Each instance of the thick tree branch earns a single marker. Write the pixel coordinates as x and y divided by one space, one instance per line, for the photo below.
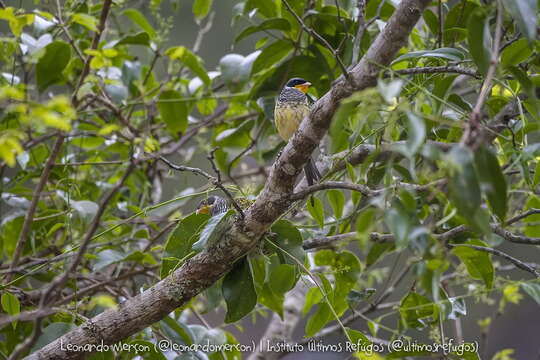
205 268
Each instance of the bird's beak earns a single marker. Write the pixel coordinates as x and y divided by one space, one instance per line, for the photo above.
303 87
203 210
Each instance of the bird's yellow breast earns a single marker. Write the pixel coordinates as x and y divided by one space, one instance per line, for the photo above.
288 117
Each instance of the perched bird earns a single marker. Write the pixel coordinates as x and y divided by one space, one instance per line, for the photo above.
291 107
213 205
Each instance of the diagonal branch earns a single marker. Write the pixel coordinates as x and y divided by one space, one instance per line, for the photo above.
205 268
29 218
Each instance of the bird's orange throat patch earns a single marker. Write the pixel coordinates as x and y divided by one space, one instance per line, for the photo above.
303 87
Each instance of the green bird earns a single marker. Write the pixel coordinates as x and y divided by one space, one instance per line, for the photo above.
291 107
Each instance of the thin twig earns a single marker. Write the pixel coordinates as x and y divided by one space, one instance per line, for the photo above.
323 41
95 42
363 189
187 168
248 148
202 31
218 183
518 263
470 135
60 280
361 21
215 181
27 225
522 216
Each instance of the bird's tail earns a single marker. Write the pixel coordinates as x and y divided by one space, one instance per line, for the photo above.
312 173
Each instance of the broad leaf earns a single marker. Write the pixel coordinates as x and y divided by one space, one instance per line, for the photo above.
180 241
479 39
174 111
316 210
478 263
492 180
239 292
201 8
192 61
138 18
525 13
50 66
271 55
270 24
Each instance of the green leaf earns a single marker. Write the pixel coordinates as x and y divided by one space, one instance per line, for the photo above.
414 309
282 278
417 133
140 38
180 241
319 319
492 180
337 202
450 54
316 210
340 122
478 263
266 8
16 22
479 39
201 8
357 337
11 305
192 61
536 178
533 290
85 20
271 55
365 220
239 292
399 222
50 66
173 113
525 13
214 229
290 240
313 296
516 53
465 188
52 332
138 18
270 24
88 142
432 21
107 257
377 250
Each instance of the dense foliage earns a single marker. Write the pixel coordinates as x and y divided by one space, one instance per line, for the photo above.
429 202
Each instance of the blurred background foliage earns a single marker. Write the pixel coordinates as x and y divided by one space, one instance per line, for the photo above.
195 81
